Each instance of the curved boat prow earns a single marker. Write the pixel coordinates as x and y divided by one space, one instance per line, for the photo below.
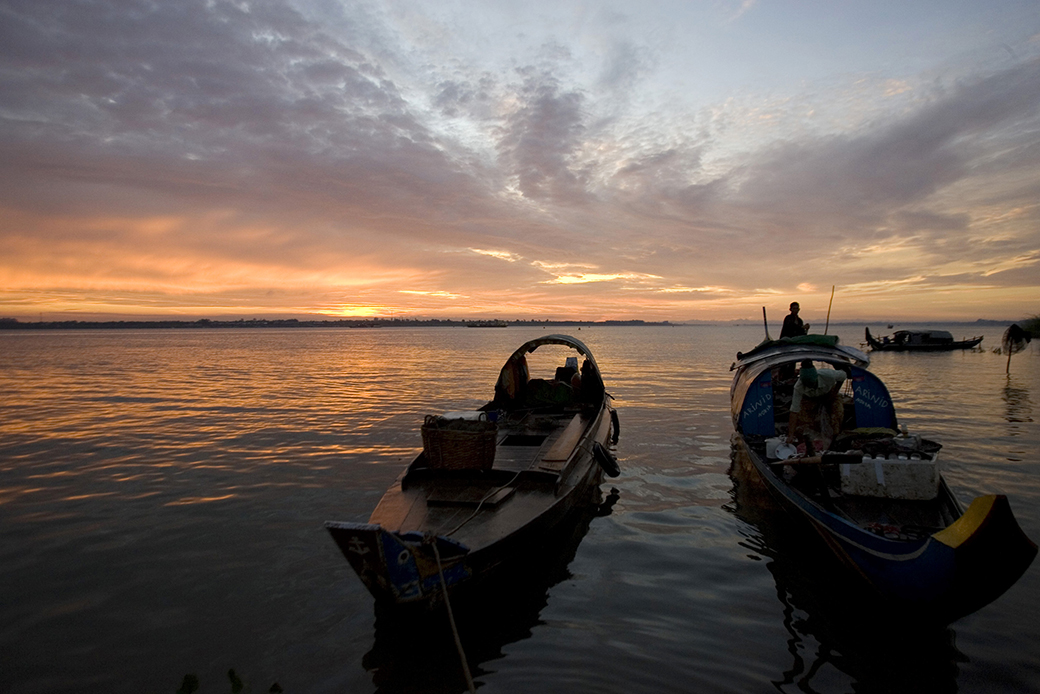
990 553
402 567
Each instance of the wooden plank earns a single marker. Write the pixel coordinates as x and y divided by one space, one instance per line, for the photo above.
399 509
515 458
469 496
564 446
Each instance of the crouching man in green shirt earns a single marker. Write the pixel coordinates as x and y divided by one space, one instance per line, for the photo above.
816 405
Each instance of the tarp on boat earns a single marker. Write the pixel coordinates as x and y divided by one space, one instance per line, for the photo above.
873 404
818 340
752 396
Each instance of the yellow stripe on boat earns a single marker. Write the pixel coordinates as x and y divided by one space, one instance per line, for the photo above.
965 526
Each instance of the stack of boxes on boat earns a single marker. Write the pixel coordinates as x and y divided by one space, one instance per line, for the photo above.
895 468
900 467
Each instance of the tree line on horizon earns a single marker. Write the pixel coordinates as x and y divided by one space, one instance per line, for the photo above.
1030 325
15 324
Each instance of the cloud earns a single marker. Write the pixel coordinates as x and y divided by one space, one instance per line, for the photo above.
208 101
356 155
438 294
589 277
625 63
501 255
540 140
718 291
744 8
897 164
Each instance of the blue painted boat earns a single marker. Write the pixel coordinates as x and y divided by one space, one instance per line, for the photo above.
876 496
490 485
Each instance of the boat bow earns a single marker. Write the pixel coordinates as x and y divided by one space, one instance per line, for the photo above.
402 567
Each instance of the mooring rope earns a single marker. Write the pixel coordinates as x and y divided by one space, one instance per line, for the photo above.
451 620
480 505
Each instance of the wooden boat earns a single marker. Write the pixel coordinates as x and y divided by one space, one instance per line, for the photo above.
919 341
410 646
877 498
488 484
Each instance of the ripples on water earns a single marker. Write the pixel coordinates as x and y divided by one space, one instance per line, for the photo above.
162 495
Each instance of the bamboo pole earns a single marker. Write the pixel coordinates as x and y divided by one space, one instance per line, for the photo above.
765 323
828 323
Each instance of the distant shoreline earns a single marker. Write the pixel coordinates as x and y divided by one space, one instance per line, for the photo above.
206 324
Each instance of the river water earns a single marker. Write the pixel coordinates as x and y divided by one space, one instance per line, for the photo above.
162 495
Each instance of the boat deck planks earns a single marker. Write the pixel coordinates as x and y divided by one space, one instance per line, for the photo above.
476 527
468 495
564 444
516 458
443 503
928 515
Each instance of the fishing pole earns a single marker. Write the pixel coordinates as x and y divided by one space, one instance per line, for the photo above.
828 323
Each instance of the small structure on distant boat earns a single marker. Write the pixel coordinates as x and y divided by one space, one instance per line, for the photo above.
919 341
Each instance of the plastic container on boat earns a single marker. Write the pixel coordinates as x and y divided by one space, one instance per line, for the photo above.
891 479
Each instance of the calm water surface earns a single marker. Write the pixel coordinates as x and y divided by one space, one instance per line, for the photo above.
162 497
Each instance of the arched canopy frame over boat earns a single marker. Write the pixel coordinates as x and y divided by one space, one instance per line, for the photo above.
753 405
516 389
554 339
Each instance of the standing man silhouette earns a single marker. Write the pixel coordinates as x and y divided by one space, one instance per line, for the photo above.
793 325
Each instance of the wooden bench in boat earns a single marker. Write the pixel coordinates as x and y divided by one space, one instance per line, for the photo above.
468 495
561 450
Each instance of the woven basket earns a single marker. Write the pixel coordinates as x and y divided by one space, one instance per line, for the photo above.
459 444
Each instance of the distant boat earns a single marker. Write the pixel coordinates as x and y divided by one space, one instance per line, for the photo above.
876 498
919 341
488 324
488 483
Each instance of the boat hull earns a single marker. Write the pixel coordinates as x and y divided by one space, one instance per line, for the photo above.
877 345
402 568
946 575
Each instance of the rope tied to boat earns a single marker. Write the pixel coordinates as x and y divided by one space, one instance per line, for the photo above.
480 505
430 539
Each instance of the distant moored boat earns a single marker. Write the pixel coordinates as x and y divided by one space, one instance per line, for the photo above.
919 341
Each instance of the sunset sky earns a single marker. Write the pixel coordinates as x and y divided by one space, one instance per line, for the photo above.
668 160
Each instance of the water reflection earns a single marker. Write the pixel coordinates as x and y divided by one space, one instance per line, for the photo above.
841 636
1017 405
417 652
